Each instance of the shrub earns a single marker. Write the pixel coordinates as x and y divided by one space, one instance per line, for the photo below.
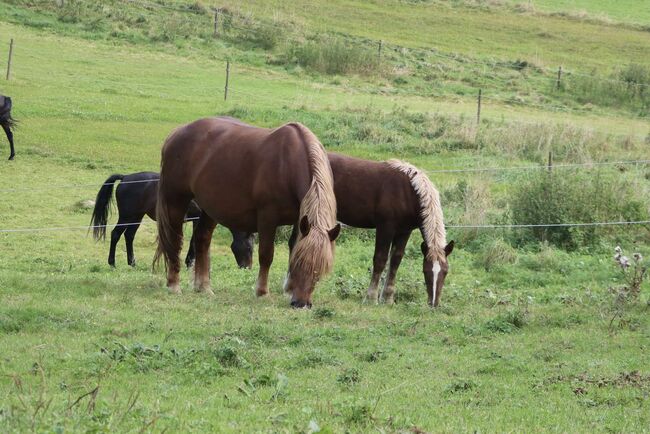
333 56
551 198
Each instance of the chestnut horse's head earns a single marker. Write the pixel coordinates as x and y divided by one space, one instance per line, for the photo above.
312 256
435 272
242 247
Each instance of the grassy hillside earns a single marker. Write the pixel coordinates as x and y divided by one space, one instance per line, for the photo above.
529 337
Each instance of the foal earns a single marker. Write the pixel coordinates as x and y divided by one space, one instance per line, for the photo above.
394 198
136 197
7 122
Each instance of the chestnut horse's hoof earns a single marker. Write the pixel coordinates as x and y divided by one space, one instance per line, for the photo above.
206 291
175 290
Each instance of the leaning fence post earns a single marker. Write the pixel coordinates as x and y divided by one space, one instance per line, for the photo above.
559 77
216 23
11 52
225 90
379 49
550 161
478 111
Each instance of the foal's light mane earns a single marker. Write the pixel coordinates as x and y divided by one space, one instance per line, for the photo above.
314 252
433 225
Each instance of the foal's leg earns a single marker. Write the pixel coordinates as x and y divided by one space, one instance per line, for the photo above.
292 242
10 137
202 237
396 255
116 233
383 239
129 235
267 238
191 253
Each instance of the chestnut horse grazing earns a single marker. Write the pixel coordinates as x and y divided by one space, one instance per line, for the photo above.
394 197
251 180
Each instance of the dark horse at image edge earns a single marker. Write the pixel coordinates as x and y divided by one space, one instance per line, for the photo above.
8 122
136 196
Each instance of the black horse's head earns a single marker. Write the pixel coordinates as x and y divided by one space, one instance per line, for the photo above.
242 247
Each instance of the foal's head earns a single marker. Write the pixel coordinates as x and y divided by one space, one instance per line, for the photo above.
435 273
311 257
242 247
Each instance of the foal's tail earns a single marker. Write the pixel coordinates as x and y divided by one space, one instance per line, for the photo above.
103 207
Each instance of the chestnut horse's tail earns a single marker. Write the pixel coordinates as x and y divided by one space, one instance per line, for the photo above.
433 225
319 206
166 233
103 207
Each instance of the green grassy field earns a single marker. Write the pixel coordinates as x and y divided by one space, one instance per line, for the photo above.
528 337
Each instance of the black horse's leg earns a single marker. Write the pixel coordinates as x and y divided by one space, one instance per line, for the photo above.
10 137
191 251
129 235
396 255
384 236
115 237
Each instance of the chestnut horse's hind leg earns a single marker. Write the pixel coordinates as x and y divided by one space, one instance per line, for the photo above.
383 239
202 237
267 239
396 255
176 209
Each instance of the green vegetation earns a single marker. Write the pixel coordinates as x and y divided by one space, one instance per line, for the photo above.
529 337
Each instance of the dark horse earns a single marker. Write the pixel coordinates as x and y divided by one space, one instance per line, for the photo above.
251 180
395 198
7 122
136 197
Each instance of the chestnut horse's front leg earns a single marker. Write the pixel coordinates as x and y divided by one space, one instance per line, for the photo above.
267 238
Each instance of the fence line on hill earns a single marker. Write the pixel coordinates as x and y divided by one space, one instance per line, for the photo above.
448 226
586 166
383 45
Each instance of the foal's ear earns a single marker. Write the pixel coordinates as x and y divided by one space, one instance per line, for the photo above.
423 247
334 232
304 226
449 248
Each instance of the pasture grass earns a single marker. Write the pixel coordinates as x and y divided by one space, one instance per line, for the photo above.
525 340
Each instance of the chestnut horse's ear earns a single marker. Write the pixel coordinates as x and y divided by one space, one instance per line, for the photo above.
449 248
423 247
334 232
304 226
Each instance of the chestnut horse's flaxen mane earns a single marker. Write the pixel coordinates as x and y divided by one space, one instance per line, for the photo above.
433 226
319 206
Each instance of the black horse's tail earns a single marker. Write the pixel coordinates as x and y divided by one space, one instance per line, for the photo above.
103 207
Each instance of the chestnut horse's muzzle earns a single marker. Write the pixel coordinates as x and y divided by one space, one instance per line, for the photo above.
297 304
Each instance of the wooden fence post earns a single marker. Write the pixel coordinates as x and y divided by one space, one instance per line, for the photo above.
216 23
478 111
11 52
550 161
559 77
225 91
379 49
